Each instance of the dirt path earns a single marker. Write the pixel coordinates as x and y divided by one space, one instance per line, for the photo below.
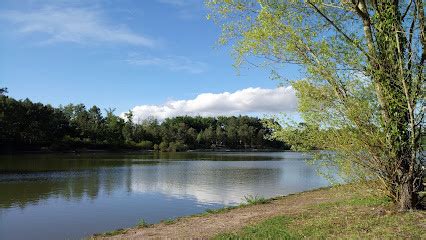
204 227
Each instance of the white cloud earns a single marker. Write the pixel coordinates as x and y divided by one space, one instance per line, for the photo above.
173 63
76 25
245 101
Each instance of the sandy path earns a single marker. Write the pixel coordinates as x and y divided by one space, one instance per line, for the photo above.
204 227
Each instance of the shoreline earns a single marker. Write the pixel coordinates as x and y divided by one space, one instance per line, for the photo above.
344 201
207 213
125 151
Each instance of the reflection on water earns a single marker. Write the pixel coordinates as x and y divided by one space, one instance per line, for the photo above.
63 197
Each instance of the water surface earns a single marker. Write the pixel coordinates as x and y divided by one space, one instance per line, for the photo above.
72 196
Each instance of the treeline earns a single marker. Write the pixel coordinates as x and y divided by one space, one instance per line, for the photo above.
25 125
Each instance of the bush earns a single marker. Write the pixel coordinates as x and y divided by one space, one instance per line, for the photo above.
145 145
172 147
142 224
177 147
164 146
180 146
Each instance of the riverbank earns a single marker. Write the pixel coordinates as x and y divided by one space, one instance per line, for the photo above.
337 212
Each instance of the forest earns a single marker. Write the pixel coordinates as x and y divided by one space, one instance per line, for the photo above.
29 126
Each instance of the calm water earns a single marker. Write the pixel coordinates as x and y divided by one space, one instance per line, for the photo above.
69 196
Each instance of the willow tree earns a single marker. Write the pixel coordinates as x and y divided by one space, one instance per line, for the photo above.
364 77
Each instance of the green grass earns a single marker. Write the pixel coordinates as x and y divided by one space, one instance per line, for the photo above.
221 210
254 200
360 215
355 218
142 224
273 228
111 233
249 200
169 221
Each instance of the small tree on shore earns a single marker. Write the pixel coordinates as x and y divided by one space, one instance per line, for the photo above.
364 63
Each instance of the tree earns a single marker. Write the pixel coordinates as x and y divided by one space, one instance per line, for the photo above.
129 127
114 128
95 123
26 125
364 68
3 91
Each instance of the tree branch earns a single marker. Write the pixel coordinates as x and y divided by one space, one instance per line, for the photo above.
338 28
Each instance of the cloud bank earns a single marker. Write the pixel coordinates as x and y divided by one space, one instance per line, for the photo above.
245 101
77 25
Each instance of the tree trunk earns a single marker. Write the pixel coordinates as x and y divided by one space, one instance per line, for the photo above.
407 198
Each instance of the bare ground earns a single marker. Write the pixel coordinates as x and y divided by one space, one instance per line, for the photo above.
209 225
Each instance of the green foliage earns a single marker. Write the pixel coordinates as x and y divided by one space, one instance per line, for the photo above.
221 210
3 91
111 233
163 147
145 145
274 228
169 221
362 93
26 125
254 200
46 124
142 224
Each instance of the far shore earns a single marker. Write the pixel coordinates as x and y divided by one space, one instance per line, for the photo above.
132 151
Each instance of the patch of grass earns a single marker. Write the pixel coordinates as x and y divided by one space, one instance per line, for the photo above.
169 221
354 218
254 200
273 228
111 233
368 201
142 224
221 210
249 200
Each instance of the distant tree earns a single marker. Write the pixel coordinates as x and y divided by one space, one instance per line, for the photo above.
163 147
114 128
145 145
220 135
129 127
27 124
209 136
3 91
24 124
95 124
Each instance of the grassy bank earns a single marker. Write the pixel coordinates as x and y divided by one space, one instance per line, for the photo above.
338 212
354 218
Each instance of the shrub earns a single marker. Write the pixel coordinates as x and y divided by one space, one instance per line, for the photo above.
253 200
164 146
145 145
142 223
156 147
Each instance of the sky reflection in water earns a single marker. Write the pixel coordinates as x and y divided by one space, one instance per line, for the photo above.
69 197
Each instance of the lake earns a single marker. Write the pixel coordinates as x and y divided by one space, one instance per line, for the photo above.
72 196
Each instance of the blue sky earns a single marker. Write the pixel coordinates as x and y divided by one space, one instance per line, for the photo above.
123 54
